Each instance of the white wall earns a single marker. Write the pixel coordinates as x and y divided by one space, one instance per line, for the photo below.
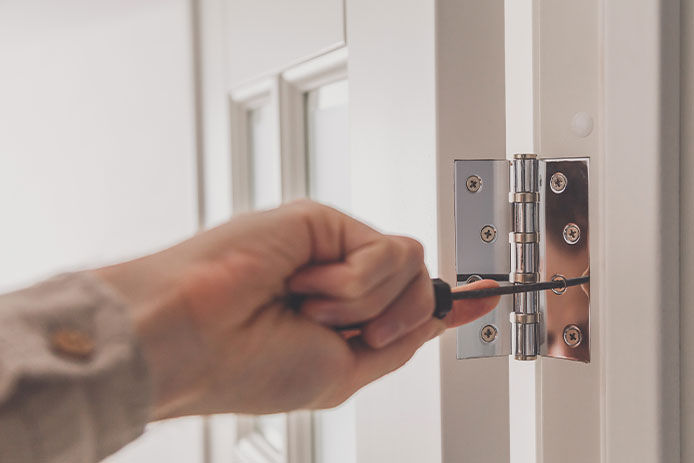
96 146
96 132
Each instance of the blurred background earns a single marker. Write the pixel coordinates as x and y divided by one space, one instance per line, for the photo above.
106 110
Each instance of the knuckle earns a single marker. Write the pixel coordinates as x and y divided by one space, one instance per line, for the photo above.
413 248
304 205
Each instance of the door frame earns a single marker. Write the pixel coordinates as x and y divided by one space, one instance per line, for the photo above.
618 63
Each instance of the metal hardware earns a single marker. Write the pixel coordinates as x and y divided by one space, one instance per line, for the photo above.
524 318
524 197
559 291
473 278
523 237
523 277
572 336
572 233
524 175
542 204
475 257
488 333
473 183
558 182
488 233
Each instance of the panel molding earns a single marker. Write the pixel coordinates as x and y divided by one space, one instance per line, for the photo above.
246 98
295 82
284 94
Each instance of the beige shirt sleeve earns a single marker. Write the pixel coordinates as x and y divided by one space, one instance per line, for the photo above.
73 383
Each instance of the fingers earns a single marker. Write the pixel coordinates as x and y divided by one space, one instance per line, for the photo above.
466 310
372 363
331 235
361 287
362 269
413 307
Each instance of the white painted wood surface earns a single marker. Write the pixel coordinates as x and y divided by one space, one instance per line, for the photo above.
615 63
267 36
567 64
470 125
393 155
641 187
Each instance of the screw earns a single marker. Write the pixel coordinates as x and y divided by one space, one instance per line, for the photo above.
488 233
561 290
473 183
572 233
558 182
473 278
572 335
488 333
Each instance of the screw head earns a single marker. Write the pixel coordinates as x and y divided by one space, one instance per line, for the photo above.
473 278
488 233
488 333
558 182
473 183
572 233
561 290
572 336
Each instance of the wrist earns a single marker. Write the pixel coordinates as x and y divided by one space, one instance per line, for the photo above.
161 326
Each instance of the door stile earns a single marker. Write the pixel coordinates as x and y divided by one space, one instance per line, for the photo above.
569 122
641 193
470 125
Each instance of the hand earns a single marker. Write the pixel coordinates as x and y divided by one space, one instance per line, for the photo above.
215 327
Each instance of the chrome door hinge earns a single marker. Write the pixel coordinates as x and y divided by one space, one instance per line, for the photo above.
542 207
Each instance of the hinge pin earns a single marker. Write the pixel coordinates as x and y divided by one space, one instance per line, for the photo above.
524 198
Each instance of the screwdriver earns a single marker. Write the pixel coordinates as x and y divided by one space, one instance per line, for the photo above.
445 296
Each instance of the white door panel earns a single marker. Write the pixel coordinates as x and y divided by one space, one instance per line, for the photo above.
432 81
393 171
471 125
266 36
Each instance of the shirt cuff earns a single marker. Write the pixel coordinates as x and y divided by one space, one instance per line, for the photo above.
74 385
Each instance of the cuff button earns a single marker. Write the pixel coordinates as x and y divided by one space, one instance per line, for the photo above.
72 343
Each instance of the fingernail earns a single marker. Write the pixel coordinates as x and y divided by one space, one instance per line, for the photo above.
387 332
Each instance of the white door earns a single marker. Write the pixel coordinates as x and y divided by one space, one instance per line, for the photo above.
427 82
